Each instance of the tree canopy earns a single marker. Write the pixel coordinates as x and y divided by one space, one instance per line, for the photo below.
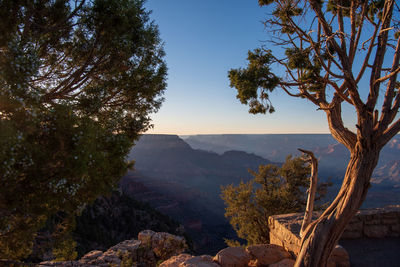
78 80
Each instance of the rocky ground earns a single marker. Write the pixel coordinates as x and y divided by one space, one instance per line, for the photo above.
153 249
252 256
147 251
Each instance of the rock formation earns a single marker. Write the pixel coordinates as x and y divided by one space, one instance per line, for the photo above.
252 256
150 248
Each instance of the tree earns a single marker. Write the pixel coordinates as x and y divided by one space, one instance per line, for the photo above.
78 80
333 52
274 190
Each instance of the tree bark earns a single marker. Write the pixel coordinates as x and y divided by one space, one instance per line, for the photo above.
311 191
323 234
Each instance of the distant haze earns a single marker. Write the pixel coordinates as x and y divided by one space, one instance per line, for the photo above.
181 176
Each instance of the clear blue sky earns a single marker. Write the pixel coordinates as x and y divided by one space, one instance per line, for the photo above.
203 40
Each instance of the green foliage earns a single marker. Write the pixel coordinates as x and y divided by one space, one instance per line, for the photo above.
257 75
126 260
55 238
52 161
374 8
77 82
232 243
303 62
287 11
332 6
265 2
65 249
254 82
113 219
273 191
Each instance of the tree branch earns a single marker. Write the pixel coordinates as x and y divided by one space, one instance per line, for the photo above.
336 126
390 133
344 59
380 55
354 43
341 28
366 59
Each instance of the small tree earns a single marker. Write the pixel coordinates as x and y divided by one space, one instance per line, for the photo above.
273 191
78 80
334 52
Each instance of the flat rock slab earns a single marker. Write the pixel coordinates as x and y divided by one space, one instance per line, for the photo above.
266 254
199 261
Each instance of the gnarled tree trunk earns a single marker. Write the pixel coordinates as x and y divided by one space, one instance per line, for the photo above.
323 234
344 58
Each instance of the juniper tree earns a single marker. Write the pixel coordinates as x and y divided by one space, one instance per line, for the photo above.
333 53
273 190
78 80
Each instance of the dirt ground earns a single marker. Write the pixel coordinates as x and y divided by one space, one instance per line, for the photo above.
377 252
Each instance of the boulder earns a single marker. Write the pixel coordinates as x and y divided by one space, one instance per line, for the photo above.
265 254
61 264
108 257
91 255
164 245
126 246
283 263
339 257
199 261
233 257
116 254
175 261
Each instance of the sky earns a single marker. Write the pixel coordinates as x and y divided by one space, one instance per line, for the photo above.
203 41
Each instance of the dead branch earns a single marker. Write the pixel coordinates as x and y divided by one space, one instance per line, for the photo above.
311 191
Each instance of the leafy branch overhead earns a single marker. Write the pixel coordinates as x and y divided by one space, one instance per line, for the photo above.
257 75
328 52
103 58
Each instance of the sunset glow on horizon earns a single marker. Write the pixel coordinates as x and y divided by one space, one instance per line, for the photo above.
203 41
